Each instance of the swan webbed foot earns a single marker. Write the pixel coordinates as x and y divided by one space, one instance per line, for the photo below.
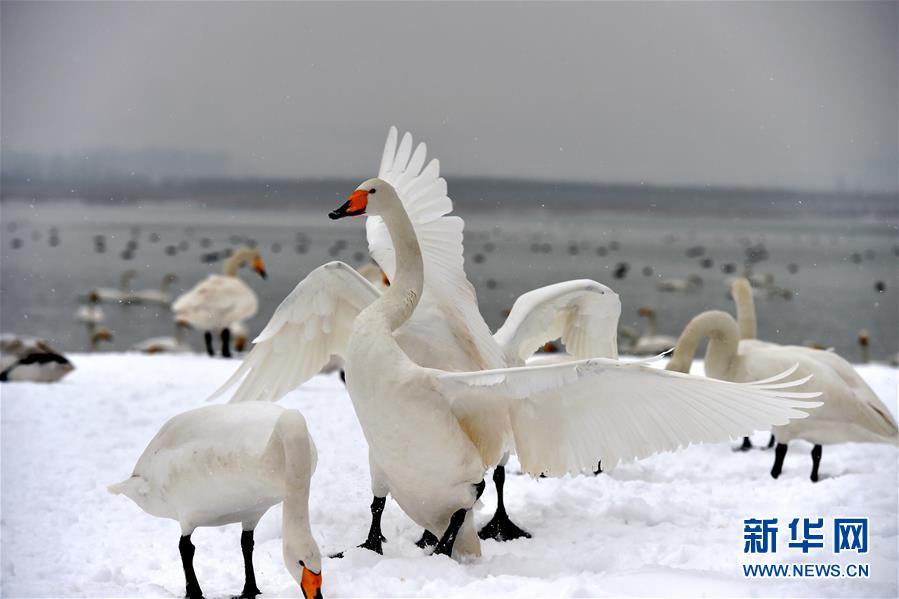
247 594
780 452
207 337
816 461
598 470
375 537
428 539
501 528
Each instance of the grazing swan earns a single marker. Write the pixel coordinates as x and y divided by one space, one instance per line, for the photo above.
119 296
165 345
160 296
219 300
220 465
651 343
432 433
31 359
447 330
850 411
691 283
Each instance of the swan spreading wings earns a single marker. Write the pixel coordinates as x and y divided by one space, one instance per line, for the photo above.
422 370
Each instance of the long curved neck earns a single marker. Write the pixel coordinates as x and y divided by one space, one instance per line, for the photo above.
399 301
745 311
234 262
651 324
723 335
296 533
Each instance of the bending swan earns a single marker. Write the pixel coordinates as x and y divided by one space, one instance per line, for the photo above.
850 410
219 465
431 433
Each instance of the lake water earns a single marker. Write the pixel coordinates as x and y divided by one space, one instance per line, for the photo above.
841 270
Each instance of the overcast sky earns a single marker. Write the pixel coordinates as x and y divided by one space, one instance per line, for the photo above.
798 94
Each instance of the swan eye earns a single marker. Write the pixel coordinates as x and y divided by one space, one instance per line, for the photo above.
372 190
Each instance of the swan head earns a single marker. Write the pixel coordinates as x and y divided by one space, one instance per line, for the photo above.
369 198
304 563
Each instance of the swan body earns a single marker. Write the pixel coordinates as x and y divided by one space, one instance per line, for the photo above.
689 283
225 464
433 432
122 295
164 345
90 314
160 296
650 343
31 359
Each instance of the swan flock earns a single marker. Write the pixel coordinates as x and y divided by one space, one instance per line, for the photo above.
439 398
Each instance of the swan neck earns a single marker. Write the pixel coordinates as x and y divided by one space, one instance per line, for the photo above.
233 263
746 315
723 335
400 300
651 328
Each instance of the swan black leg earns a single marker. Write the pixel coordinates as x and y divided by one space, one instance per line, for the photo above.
770 442
780 452
500 527
428 539
598 470
207 336
746 446
375 538
446 542
246 547
816 461
186 548
226 343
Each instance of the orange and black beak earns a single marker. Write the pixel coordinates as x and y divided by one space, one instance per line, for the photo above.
353 206
311 584
259 267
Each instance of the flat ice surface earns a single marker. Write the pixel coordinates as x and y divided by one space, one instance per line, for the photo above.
668 525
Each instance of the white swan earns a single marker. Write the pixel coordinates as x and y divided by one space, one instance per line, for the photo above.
688 284
219 465
447 330
118 296
31 359
165 345
432 433
850 411
219 300
650 343
160 296
90 313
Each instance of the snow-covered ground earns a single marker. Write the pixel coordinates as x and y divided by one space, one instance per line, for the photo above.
668 525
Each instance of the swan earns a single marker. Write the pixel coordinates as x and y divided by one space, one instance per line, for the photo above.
230 463
90 313
691 283
165 345
95 335
219 300
850 410
651 343
447 330
432 433
31 359
160 296
120 295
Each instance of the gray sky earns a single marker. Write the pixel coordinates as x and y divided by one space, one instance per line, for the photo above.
796 94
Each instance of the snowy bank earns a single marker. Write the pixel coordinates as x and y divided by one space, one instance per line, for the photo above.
668 525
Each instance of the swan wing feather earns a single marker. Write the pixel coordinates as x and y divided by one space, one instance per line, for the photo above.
313 323
423 193
567 417
583 313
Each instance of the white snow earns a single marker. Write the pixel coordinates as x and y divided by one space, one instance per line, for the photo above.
668 525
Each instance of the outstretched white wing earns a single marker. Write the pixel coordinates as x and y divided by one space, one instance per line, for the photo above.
311 324
583 313
448 309
567 417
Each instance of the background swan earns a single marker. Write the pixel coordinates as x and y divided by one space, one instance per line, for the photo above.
112 295
850 410
223 464
219 300
432 433
650 343
447 329
165 345
160 296
31 359
689 283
